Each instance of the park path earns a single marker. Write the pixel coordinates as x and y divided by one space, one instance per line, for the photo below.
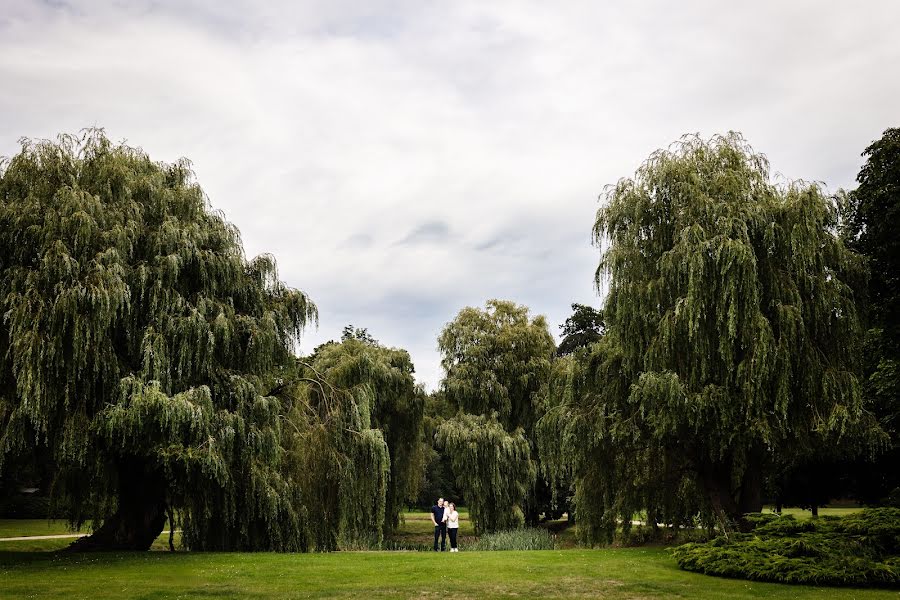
61 536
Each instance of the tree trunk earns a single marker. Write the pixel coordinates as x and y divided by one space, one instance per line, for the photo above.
751 486
729 510
717 485
140 517
815 511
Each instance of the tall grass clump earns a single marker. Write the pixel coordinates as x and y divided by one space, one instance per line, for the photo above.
530 538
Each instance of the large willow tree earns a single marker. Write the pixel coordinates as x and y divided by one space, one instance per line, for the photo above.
732 340
379 390
143 350
497 363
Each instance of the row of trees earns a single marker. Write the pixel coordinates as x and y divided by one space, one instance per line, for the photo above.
749 340
747 349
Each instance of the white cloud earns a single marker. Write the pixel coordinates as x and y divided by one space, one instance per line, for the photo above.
333 132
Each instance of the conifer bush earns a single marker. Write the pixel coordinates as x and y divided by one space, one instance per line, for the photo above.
862 549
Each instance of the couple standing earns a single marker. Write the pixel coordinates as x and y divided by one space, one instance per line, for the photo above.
445 519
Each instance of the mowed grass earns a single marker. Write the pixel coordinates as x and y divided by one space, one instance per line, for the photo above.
30 569
613 573
23 527
802 514
40 527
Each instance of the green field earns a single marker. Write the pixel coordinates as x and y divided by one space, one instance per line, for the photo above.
29 570
612 573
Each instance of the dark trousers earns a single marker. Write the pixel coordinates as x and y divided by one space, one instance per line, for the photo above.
440 531
453 531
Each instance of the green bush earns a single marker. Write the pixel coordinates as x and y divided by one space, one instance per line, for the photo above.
857 550
516 539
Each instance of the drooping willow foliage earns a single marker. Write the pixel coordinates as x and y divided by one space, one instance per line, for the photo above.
374 460
143 349
732 341
495 469
497 363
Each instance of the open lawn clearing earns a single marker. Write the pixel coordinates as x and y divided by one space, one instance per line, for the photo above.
802 514
23 527
611 573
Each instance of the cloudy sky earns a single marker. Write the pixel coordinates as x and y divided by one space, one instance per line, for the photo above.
405 159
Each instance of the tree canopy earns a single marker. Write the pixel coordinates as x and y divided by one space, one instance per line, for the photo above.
732 340
497 363
378 384
580 330
871 229
142 348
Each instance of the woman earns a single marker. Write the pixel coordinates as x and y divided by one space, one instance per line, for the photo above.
453 526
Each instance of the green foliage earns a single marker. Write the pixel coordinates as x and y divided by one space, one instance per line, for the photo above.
142 348
497 363
582 329
862 549
873 215
497 360
373 413
732 341
528 538
493 467
439 480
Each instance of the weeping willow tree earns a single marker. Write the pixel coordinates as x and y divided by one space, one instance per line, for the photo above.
497 362
732 341
143 350
495 469
379 387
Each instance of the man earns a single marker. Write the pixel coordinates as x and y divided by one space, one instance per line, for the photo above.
439 519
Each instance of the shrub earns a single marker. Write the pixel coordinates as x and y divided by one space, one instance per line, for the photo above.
516 539
858 550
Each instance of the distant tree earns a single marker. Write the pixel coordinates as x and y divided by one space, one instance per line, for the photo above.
582 329
439 480
732 340
495 469
357 333
497 363
142 351
382 389
872 226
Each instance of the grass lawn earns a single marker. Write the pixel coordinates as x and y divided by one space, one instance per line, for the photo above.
23 527
611 573
802 514
29 569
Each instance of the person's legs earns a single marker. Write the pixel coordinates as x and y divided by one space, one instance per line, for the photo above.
443 536
453 533
437 533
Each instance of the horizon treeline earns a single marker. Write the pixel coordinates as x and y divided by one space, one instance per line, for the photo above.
747 352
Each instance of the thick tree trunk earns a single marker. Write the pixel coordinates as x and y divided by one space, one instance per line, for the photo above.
751 487
717 485
140 517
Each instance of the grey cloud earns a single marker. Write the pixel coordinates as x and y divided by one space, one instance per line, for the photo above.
358 240
478 135
431 232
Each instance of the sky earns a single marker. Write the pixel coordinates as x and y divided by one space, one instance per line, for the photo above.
402 160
